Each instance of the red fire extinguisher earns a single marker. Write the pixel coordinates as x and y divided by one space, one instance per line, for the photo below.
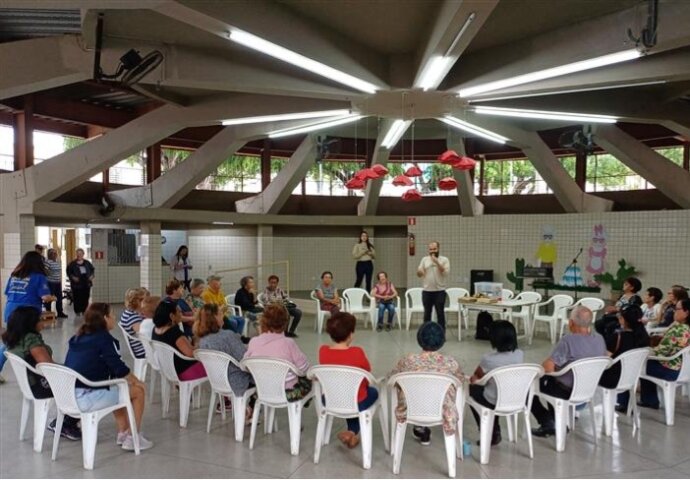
410 244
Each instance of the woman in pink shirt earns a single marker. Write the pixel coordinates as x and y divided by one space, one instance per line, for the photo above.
272 342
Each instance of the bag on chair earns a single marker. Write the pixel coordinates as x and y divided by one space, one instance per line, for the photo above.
484 321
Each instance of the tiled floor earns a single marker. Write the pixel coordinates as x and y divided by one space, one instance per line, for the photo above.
659 451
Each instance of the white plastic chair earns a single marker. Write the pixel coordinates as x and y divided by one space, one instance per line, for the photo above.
354 304
526 312
62 381
320 314
153 363
631 363
515 388
269 375
559 302
454 306
507 294
424 396
668 387
413 304
586 375
217 365
166 360
41 405
593 303
140 364
237 311
340 386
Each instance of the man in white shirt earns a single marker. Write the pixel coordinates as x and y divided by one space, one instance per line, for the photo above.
434 270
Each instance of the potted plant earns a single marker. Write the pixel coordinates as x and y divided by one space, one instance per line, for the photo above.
616 282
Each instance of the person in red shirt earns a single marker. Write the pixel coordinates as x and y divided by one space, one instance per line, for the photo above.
341 328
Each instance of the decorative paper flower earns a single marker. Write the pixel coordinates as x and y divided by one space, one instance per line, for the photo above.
465 163
449 157
355 184
413 171
367 174
447 183
380 170
412 195
402 181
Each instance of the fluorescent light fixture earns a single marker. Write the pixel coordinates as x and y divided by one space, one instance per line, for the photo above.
223 223
286 132
597 62
462 31
282 53
473 129
394 133
572 90
545 115
434 71
286 116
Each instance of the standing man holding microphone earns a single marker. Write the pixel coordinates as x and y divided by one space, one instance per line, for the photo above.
434 270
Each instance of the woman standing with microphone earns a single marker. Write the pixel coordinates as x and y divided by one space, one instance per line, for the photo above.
181 267
364 253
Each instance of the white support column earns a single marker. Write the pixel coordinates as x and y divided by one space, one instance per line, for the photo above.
264 255
272 199
151 269
101 292
469 205
669 178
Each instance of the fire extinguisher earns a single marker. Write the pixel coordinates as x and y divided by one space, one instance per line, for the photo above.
410 244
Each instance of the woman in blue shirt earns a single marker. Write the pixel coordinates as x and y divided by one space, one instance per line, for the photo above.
28 285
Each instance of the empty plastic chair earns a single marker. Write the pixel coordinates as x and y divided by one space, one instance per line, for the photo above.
354 304
559 302
413 304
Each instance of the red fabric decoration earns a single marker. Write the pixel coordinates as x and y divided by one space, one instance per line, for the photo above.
449 157
465 163
380 170
402 181
361 175
413 171
447 183
355 184
367 174
412 195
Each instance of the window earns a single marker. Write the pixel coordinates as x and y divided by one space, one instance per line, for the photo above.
330 177
605 173
239 173
675 154
172 157
513 177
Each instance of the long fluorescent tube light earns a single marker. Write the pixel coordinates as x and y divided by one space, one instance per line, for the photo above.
285 116
434 71
282 53
597 62
223 223
473 129
286 132
545 115
394 133
462 31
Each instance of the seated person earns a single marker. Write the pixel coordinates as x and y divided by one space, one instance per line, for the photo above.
93 353
431 336
676 338
578 344
327 293
174 291
23 338
209 335
213 294
385 294
341 328
247 299
167 320
609 322
503 338
674 295
631 335
148 309
273 293
196 288
651 308
272 342
131 318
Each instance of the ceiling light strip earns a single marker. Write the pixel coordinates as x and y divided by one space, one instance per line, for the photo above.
462 31
473 129
285 116
282 53
546 115
597 62
434 71
397 129
314 126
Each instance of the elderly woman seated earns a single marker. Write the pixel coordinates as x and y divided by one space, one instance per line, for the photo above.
431 337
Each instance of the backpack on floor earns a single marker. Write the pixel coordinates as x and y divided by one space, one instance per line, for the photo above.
484 321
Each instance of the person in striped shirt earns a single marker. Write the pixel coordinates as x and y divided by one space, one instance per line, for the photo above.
131 319
54 269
